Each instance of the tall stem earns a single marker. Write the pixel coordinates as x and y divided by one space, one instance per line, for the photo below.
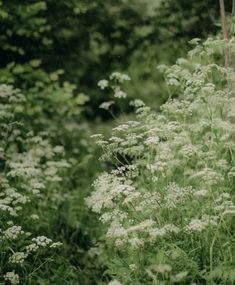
227 50
233 9
223 20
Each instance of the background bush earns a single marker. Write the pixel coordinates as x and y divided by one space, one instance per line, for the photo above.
89 40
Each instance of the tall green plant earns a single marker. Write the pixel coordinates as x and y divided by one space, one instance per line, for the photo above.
168 204
31 170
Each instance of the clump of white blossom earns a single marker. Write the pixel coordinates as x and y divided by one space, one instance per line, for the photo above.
168 204
115 81
12 277
30 166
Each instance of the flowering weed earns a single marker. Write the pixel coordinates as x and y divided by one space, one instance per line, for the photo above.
168 204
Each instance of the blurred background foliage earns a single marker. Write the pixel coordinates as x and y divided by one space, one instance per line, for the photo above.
66 46
56 51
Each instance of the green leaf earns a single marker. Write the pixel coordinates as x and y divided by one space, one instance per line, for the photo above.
35 62
81 99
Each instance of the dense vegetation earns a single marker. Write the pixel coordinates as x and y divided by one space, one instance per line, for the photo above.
168 203
113 170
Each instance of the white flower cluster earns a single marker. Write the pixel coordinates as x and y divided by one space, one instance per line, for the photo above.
13 232
41 242
12 277
118 93
28 172
103 84
106 105
120 77
114 82
18 257
198 225
174 172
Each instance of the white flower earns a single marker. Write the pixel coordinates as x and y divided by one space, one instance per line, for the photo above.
173 82
137 103
12 277
188 151
34 217
132 267
120 77
122 127
198 225
42 241
116 230
97 136
160 232
162 67
13 232
152 141
58 149
106 105
119 94
32 247
135 242
18 257
103 84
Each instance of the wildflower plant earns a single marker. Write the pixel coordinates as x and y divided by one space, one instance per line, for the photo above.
168 203
30 169
115 85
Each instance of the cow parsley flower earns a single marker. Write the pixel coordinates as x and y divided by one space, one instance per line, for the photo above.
179 184
119 93
12 277
132 267
137 103
13 232
42 241
103 84
120 77
198 225
106 105
18 257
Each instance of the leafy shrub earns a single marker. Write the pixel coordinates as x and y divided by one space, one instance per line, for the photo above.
168 204
89 39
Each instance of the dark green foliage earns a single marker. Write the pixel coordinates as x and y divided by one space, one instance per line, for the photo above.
89 39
